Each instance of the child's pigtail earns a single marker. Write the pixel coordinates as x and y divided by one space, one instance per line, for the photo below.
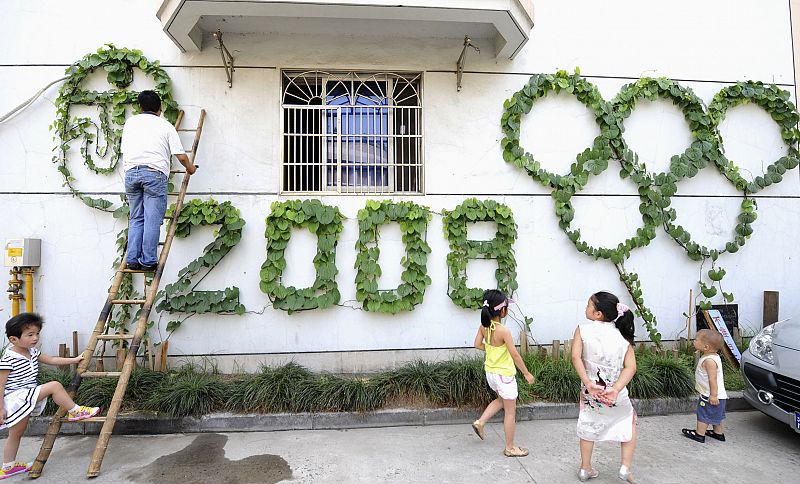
486 314
624 324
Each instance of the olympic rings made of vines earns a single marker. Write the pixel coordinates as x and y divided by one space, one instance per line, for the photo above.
655 190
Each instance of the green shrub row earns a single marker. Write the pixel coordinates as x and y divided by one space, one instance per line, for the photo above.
292 388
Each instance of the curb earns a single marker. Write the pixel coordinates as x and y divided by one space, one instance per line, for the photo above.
138 423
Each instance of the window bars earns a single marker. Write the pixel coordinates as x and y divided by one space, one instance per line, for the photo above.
351 132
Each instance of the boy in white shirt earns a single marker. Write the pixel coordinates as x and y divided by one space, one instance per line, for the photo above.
148 143
710 384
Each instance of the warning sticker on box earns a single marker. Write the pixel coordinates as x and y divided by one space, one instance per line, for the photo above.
15 251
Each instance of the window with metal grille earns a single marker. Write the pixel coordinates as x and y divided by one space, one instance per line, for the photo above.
351 132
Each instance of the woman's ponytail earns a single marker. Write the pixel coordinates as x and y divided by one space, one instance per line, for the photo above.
492 299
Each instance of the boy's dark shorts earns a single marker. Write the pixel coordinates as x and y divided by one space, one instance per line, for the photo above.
710 414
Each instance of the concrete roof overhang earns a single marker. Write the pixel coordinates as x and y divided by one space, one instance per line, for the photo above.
507 23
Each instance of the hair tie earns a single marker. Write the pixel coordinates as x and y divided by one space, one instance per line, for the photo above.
621 308
485 303
503 304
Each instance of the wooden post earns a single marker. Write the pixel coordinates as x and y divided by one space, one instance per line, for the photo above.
74 349
120 358
99 365
164 350
523 342
771 300
150 354
63 352
567 348
556 349
689 317
542 351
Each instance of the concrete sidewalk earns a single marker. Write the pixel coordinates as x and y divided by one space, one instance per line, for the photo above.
150 423
759 449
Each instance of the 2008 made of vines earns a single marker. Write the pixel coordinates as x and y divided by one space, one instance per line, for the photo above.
326 222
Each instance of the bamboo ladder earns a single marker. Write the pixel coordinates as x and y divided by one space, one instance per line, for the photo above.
100 333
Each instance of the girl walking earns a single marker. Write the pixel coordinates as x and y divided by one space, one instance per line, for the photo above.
501 356
602 353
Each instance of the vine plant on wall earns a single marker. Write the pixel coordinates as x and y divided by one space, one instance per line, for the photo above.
113 107
326 222
413 220
655 189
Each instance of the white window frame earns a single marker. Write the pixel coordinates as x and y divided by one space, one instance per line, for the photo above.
327 79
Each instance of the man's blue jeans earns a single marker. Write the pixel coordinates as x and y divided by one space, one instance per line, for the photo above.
146 189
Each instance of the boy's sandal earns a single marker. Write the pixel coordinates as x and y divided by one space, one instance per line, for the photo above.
477 426
692 434
516 452
714 435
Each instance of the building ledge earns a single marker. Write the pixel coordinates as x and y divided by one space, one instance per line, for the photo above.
507 23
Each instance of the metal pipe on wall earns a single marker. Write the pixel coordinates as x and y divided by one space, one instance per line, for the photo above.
28 271
14 286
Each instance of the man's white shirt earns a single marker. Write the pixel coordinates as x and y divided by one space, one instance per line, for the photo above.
151 141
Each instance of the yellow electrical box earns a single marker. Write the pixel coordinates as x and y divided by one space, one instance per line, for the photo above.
23 253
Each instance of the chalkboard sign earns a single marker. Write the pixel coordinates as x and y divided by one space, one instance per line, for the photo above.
729 312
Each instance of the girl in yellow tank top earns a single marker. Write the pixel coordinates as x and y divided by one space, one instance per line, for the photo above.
501 356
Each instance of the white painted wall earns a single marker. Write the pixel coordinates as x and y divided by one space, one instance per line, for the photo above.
704 44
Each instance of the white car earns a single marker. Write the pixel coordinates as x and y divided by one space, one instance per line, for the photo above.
771 369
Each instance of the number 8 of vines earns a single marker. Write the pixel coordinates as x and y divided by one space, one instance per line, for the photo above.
655 191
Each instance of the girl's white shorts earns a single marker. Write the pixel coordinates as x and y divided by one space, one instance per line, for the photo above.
505 386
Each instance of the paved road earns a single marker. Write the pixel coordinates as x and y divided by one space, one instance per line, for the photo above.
758 450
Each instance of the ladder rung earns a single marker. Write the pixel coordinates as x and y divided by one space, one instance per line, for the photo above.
174 194
177 171
186 129
128 301
161 243
101 374
114 336
136 271
90 419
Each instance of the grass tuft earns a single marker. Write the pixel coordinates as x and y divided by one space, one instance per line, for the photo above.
272 390
187 392
419 379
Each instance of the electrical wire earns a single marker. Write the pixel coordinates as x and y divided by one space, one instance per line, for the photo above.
26 104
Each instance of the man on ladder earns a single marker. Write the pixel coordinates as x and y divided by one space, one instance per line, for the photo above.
147 145
148 141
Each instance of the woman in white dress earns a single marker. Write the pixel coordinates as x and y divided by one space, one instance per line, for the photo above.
602 353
